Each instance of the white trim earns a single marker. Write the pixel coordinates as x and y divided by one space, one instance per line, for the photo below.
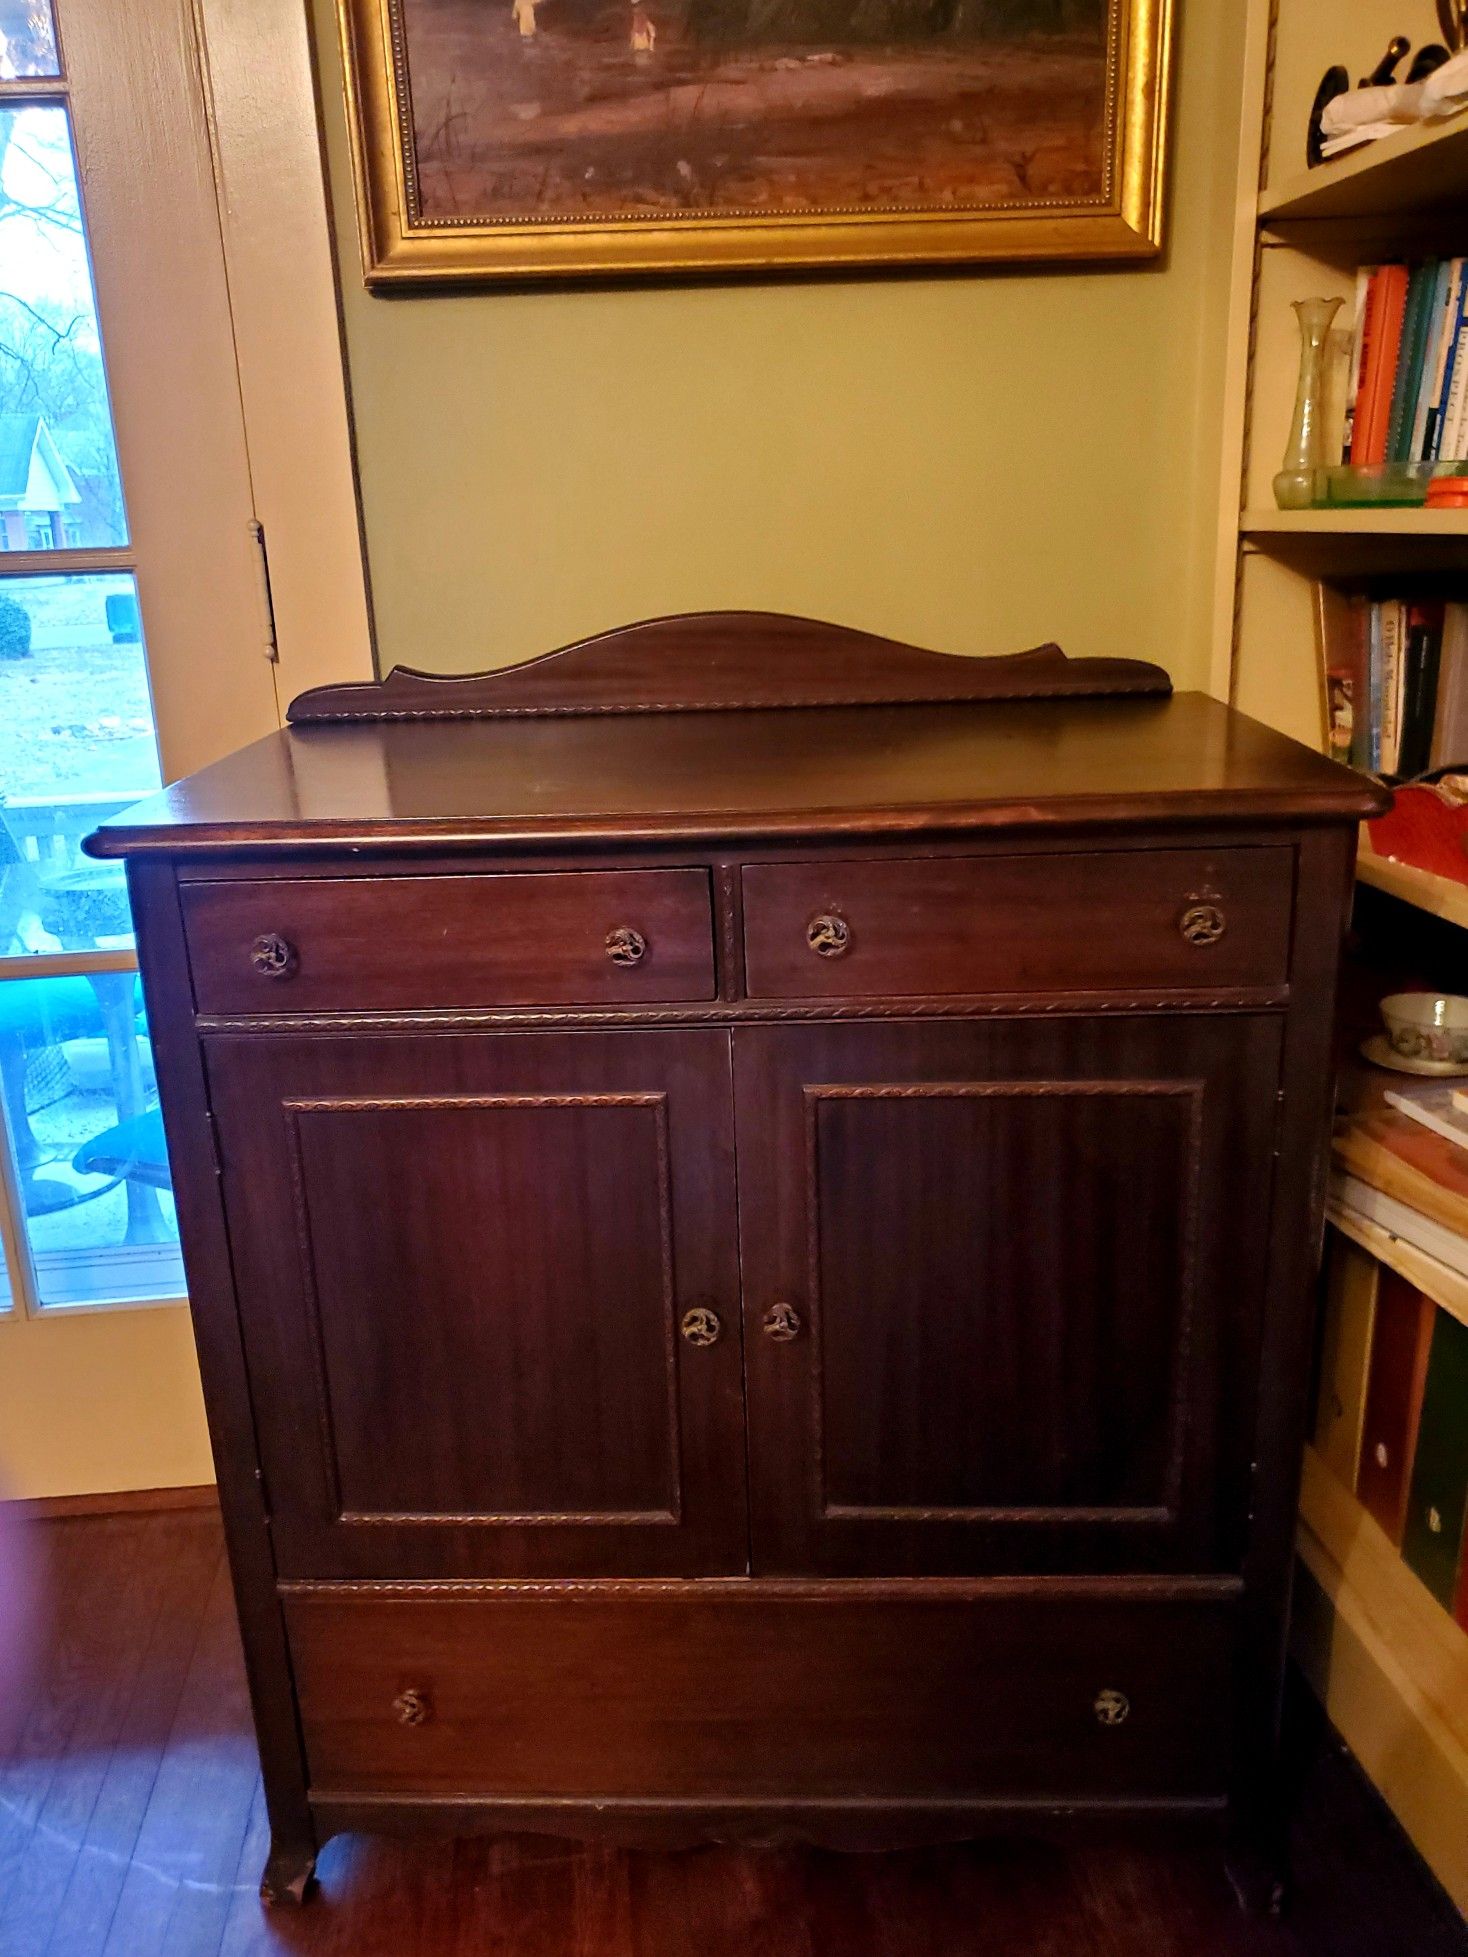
274 220
163 304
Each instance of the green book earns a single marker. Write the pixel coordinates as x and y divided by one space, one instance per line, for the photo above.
1438 1501
1416 325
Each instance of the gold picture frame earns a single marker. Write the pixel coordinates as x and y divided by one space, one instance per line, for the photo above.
405 242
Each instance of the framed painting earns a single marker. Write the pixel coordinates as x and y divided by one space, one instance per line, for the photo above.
553 139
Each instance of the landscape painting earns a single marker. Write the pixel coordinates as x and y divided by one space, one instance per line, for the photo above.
525 138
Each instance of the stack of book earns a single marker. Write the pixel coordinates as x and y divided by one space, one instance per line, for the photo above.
1407 397
1396 682
1392 1409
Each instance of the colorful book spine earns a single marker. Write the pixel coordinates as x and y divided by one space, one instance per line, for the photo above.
1438 1499
1359 655
1358 344
1345 1354
1375 691
1429 379
1392 615
1452 330
1421 282
1379 364
1399 1348
1450 709
1451 446
1419 691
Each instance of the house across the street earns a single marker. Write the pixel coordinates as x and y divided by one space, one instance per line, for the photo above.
37 489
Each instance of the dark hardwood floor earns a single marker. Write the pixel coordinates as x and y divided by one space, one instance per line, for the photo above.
131 1825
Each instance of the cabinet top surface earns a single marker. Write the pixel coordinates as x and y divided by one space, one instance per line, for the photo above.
433 763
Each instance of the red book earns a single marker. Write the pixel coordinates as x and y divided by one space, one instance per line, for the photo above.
1399 1347
1386 311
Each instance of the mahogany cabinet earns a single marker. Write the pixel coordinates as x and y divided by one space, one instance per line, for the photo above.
750 1196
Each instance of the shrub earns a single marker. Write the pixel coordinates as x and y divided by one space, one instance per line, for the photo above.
15 630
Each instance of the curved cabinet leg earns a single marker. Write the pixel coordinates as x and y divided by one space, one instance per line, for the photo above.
290 1873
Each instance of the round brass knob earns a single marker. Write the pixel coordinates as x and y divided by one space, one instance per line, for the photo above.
626 946
1202 924
782 1323
413 1707
828 935
701 1326
273 956
1111 1707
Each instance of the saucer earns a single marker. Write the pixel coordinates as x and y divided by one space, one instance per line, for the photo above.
1381 1053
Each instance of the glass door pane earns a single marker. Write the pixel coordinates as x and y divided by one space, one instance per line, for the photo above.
59 484
88 1207
77 743
27 39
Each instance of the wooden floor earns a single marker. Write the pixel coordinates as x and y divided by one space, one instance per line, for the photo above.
131 1825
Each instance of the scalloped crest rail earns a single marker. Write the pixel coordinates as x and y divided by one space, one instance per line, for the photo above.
723 661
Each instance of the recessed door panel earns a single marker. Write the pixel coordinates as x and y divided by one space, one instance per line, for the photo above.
1003 1284
463 1283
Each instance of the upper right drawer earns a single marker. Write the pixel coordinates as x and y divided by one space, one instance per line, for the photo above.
902 926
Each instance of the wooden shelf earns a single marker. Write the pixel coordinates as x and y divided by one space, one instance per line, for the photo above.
1439 1281
1391 1668
1416 523
1429 892
1424 168
1336 543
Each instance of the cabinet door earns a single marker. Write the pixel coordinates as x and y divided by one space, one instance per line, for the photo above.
463 1265
1003 1290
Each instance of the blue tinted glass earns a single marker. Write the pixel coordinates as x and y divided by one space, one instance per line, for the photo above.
59 484
76 1071
27 39
76 744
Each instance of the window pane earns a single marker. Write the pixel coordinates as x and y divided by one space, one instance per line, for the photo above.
58 462
76 743
27 39
77 1076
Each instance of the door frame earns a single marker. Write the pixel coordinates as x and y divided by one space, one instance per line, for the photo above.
217 187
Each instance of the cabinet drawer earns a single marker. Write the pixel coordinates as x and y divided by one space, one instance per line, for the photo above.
332 944
730 1691
1165 917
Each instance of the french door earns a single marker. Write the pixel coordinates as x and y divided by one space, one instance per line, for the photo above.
136 643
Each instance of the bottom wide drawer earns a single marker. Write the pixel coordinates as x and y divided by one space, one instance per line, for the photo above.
729 1691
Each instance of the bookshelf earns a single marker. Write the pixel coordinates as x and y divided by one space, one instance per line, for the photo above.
1439 895
1421 169
1301 233
1388 1662
1368 1634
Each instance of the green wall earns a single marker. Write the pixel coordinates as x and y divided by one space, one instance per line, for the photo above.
976 463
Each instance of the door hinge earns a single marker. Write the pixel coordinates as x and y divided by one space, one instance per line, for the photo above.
267 603
264 1488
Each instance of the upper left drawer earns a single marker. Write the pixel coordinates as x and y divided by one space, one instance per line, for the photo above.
409 943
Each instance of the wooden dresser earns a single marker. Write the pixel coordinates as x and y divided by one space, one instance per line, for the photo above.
750 1197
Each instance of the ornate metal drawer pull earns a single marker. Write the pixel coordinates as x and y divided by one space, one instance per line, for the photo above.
626 946
701 1326
1202 924
782 1323
413 1708
1111 1707
828 935
273 956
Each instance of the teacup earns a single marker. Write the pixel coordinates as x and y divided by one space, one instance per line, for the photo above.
1428 1026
